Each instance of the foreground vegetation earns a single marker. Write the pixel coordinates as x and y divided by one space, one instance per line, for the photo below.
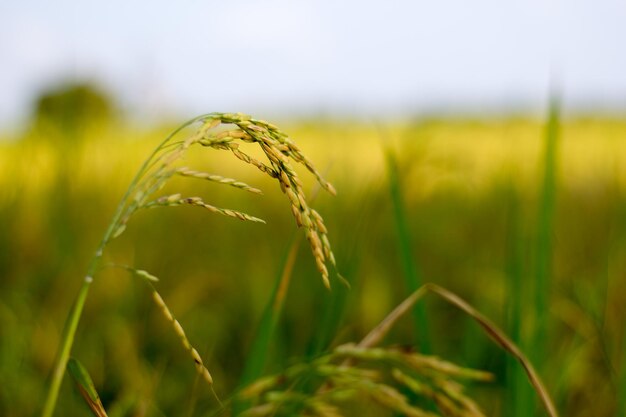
533 238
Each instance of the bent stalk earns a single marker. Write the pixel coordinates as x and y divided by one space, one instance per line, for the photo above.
280 151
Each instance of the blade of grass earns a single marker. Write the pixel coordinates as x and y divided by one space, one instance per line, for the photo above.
86 387
257 357
518 392
544 235
540 286
411 274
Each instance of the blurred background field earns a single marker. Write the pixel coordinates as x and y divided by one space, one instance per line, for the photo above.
471 196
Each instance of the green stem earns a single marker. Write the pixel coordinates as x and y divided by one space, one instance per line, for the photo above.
545 240
73 319
412 277
66 345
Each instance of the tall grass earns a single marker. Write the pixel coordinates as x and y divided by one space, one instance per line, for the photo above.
412 279
545 231
530 304
518 401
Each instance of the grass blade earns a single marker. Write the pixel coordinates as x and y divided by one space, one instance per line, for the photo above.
518 393
545 228
538 296
411 273
257 358
86 387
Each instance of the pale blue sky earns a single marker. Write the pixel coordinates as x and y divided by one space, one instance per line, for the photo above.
296 57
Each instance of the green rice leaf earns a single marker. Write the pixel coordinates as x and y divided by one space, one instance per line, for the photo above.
86 387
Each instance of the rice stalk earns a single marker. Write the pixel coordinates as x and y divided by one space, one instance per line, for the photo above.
353 371
153 175
376 374
258 354
177 200
188 172
380 331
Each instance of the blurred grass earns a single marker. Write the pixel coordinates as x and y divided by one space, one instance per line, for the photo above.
518 396
258 355
470 197
542 288
532 304
545 225
412 279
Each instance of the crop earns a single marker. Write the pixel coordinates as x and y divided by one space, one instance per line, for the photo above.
402 381
160 166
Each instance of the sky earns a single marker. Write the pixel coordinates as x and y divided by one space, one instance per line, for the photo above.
310 57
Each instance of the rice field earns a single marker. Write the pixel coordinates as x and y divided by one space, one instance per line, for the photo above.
525 219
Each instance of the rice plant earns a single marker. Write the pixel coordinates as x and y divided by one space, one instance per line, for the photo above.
355 377
335 380
163 164
350 374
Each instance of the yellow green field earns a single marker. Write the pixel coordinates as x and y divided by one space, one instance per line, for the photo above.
471 195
